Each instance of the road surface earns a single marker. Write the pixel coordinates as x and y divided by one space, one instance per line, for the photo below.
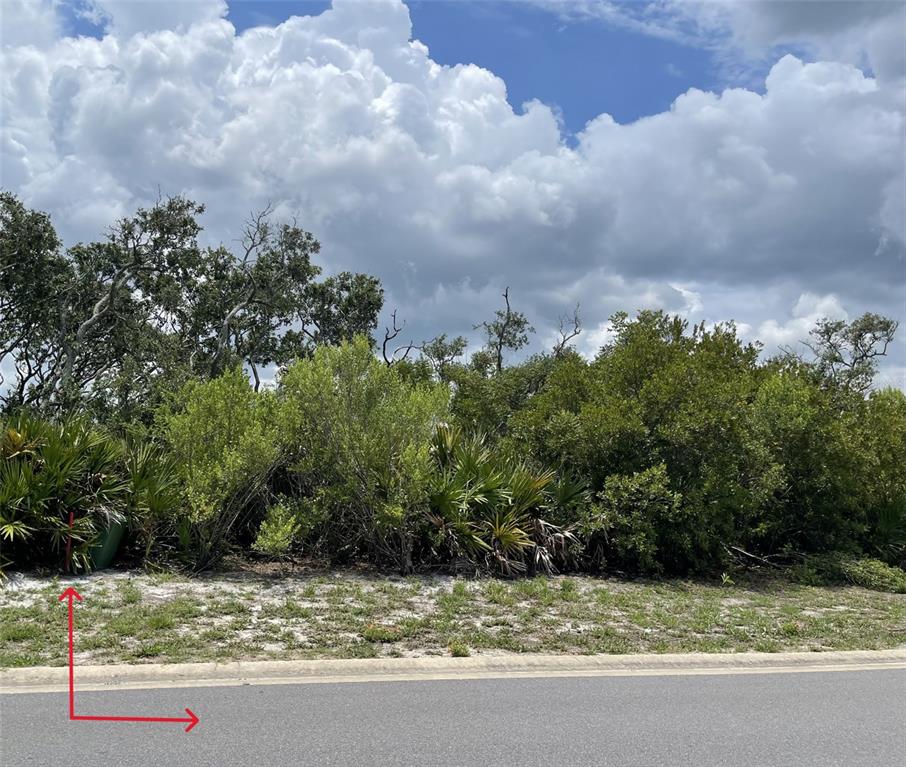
817 718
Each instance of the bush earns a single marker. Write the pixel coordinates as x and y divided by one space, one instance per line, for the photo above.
357 438
814 454
658 396
484 403
223 439
51 472
279 531
154 495
636 522
874 574
673 447
459 649
574 422
490 509
883 479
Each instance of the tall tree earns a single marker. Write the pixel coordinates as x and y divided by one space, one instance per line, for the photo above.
33 275
110 324
846 354
508 330
442 353
266 306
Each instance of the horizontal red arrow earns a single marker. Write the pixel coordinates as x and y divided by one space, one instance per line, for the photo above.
191 720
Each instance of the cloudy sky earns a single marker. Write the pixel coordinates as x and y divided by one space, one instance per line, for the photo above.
720 160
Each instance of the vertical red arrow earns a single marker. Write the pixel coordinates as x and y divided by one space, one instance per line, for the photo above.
71 594
191 720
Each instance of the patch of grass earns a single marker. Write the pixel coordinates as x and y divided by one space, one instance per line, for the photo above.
160 622
218 634
356 616
20 632
378 633
182 608
163 577
13 659
357 650
459 649
498 593
128 621
129 593
537 590
230 606
454 600
287 610
150 650
607 640
569 592
97 641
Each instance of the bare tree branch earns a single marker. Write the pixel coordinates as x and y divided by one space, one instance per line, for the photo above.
565 334
389 335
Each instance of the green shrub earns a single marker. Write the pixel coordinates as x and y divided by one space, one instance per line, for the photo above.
669 451
814 455
49 472
817 570
636 522
660 394
883 477
279 531
874 574
838 568
358 438
155 499
459 649
485 403
491 510
887 531
574 422
223 439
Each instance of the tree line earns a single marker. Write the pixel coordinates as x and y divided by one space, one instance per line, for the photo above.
133 398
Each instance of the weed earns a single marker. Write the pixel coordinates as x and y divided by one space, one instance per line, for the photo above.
379 633
459 649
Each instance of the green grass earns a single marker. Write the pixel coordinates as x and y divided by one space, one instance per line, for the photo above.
376 633
168 618
458 649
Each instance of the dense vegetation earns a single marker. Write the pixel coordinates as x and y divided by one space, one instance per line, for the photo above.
133 396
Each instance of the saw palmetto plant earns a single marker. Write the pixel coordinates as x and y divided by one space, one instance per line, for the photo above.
50 473
491 510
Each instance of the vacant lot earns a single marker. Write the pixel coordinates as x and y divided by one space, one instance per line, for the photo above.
135 618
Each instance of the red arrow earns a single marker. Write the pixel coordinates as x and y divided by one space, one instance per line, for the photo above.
191 720
69 594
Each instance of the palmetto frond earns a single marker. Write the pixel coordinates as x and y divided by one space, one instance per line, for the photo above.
51 471
487 507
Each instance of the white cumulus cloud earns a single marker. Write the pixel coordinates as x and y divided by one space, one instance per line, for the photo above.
729 204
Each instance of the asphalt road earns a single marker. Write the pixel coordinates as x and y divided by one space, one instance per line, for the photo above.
818 718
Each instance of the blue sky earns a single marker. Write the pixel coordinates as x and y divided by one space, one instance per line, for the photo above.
582 69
